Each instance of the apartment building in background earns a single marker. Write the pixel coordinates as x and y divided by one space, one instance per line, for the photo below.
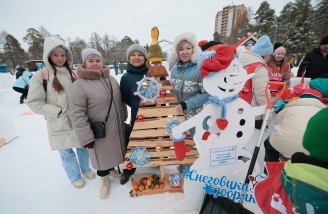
229 20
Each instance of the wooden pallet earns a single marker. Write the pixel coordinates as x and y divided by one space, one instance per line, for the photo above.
151 133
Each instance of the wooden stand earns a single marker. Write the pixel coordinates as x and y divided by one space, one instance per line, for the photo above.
167 187
151 133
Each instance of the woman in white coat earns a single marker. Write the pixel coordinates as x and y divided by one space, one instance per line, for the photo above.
52 102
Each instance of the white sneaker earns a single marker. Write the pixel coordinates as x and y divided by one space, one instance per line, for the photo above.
90 174
79 183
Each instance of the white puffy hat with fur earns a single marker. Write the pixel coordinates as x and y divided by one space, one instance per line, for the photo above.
190 38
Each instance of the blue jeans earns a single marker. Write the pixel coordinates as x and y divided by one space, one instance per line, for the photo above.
71 165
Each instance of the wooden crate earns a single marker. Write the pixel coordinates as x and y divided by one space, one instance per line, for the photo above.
151 134
167 187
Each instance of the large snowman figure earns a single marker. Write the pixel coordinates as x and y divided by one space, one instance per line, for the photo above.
222 128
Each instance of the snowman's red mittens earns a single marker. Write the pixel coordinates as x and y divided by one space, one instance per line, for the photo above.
206 135
222 124
180 149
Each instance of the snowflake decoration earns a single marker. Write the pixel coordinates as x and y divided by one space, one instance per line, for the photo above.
148 89
171 124
140 156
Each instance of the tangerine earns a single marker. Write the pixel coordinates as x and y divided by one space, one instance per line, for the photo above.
141 188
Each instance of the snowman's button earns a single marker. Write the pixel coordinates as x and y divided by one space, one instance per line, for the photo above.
239 134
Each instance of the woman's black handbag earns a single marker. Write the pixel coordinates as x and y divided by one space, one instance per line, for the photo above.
99 127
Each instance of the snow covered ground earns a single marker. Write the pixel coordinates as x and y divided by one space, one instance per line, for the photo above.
33 181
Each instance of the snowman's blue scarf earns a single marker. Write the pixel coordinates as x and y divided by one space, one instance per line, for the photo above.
222 102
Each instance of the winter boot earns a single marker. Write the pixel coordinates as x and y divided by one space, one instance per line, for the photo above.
104 189
79 183
90 174
21 101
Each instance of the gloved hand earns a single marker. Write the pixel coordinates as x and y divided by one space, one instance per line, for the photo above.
90 145
277 104
181 149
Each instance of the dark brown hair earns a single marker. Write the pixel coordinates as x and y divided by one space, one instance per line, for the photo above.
55 83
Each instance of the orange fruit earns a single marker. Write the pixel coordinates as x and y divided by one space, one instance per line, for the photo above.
146 187
141 188
156 186
135 187
161 186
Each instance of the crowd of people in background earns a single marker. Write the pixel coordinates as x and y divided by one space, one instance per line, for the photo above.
72 101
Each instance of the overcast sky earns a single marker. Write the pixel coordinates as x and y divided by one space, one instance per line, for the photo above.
134 18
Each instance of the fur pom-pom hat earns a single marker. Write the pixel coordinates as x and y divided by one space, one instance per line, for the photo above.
190 38
216 59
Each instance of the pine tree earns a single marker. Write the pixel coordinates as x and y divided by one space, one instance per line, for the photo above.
119 50
285 23
35 41
44 32
265 20
13 53
302 37
321 18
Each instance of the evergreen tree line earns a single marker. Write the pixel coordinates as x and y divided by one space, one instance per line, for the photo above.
299 27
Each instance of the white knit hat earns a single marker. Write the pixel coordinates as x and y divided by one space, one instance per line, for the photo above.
190 38
88 52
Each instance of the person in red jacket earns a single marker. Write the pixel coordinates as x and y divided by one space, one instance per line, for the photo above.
279 68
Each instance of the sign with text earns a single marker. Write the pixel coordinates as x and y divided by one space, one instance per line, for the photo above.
222 156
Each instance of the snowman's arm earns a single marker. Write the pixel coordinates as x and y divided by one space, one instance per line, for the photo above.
259 110
177 132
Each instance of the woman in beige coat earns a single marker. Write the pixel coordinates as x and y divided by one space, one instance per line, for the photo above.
90 100
52 102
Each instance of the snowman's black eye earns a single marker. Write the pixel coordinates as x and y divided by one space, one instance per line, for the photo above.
239 134
242 122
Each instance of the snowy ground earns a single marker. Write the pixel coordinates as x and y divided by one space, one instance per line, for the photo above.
33 181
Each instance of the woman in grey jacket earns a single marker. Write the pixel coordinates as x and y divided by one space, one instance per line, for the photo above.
52 102
186 80
92 94
185 77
